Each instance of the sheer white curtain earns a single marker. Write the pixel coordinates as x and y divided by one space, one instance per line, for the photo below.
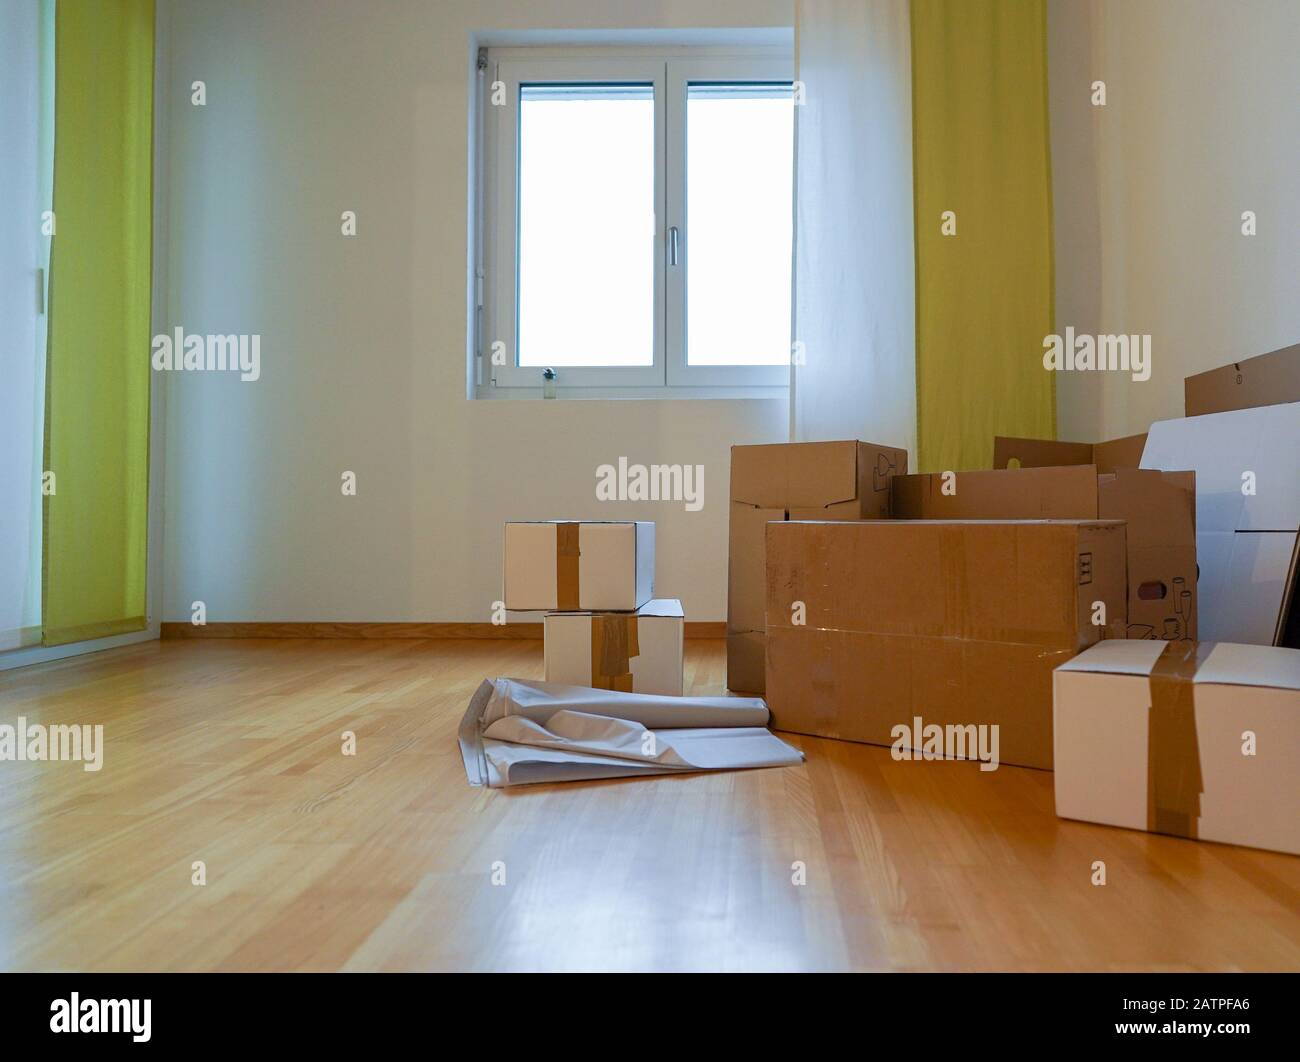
26 116
854 263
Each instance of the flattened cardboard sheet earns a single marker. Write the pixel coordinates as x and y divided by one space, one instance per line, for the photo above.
1265 380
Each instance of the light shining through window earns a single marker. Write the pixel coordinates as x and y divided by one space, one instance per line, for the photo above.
739 186
586 225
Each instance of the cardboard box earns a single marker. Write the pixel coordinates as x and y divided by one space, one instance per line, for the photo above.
635 652
1247 465
1109 456
956 622
790 481
1158 507
594 565
1155 738
1266 380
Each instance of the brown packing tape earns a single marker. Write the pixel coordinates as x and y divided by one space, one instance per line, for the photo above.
823 699
567 553
1174 783
614 641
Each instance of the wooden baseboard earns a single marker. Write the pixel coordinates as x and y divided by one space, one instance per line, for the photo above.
438 631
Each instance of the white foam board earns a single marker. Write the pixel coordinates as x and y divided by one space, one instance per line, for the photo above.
1247 465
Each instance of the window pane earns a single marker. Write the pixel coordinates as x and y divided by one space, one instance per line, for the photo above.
739 174
586 225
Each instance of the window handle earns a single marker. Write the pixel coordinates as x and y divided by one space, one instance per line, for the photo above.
672 245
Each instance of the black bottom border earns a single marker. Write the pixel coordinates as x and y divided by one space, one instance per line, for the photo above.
342 1011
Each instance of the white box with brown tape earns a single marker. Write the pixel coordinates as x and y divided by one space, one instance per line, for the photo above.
1192 739
634 652
589 565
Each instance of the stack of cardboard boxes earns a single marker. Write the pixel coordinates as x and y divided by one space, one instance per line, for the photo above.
809 481
595 582
877 623
998 598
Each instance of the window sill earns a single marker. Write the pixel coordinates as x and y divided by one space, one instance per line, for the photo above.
569 394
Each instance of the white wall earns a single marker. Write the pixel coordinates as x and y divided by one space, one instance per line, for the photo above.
1202 122
319 106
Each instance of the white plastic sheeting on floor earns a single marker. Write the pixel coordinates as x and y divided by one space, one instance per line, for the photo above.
519 732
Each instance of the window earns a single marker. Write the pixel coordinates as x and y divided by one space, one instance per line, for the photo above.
637 221
586 229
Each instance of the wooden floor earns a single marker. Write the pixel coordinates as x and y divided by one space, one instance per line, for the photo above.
229 752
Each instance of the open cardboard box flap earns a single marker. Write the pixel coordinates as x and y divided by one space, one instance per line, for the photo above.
1108 456
1159 504
1033 493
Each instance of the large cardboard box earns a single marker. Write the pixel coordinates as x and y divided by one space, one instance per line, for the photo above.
635 652
1159 508
1192 740
1109 456
790 481
1266 380
595 565
1247 465
872 624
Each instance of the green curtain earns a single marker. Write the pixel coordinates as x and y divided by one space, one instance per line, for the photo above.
97 374
984 295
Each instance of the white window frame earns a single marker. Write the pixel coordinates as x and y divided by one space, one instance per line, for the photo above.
680 73
669 70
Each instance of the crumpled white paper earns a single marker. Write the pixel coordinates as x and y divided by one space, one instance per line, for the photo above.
518 732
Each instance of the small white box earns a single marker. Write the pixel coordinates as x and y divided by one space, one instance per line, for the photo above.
635 652
1192 739
588 565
